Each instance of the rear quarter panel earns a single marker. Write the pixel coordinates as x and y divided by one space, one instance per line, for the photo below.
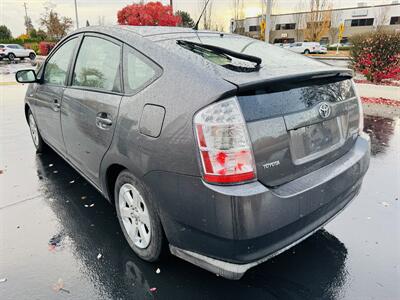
181 90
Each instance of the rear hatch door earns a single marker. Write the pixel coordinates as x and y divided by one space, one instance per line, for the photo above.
299 124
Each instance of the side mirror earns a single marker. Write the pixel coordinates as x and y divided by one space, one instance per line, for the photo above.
26 76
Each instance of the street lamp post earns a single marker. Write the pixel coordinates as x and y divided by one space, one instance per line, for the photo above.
268 19
76 15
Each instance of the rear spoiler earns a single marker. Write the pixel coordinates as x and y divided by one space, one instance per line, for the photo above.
295 79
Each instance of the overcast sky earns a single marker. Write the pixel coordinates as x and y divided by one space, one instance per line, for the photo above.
12 11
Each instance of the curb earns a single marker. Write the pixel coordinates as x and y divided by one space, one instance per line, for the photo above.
8 83
378 91
382 101
344 58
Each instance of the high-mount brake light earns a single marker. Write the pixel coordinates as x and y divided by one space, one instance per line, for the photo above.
224 143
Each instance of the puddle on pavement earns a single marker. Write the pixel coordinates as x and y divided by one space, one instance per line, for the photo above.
381 131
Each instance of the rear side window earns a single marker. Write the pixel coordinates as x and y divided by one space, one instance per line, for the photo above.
57 66
139 70
97 65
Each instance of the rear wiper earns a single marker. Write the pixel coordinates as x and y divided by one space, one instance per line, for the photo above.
221 51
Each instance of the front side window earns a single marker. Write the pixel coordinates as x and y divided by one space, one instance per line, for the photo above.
57 66
139 71
97 65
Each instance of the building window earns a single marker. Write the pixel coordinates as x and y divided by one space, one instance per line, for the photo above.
288 26
344 40
284 41
324 41
362 22
395 21
254 28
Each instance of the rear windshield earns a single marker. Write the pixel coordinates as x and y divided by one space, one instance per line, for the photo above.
282 99
270 55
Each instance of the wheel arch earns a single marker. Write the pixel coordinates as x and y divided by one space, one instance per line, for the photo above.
27 109
110 178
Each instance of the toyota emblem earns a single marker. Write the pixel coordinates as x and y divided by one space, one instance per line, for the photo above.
324 110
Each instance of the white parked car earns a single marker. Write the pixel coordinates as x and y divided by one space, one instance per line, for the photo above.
323 50
282 45
13 51
305 47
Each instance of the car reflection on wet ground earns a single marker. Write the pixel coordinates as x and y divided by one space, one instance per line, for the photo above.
54 225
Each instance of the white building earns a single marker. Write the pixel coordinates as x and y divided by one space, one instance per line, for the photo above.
288 28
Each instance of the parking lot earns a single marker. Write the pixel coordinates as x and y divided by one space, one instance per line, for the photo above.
61 239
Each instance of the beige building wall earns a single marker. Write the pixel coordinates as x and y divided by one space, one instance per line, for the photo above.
381 14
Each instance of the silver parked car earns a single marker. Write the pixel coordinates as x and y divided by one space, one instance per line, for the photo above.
221 148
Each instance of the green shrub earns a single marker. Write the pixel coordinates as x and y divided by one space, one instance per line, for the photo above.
376 55
33 46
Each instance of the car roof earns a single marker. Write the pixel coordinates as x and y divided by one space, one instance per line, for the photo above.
156 42
147 31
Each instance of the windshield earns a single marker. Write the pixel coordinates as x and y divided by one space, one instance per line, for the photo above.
223 56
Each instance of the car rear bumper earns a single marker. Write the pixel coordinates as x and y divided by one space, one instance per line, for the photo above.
229 229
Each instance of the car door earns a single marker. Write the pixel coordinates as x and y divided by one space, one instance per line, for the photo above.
12 49
91 103
17 50
20 51
299 47
49 93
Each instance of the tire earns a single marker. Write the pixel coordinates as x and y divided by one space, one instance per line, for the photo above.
11 56
38 142
138 217
307 51
32 56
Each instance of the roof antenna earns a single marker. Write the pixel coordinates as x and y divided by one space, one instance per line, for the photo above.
196 27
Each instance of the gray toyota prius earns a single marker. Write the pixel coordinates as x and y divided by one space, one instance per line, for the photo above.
223 149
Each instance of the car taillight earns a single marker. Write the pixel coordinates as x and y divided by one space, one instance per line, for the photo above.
360 109
361 116
224 144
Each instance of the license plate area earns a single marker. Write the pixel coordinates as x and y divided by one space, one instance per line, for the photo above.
313 141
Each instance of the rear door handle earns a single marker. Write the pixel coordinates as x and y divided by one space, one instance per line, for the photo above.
103 121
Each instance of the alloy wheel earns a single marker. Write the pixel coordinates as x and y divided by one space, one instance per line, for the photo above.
134 215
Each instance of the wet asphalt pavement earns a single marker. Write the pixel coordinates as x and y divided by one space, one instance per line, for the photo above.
50 237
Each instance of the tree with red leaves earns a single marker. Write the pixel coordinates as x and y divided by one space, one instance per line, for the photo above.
149 14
